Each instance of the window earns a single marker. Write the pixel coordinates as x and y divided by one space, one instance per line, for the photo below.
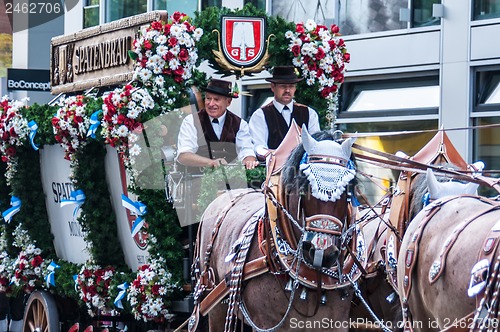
486 116
485 9
487 89
422 13
390 97
365 16
210 3
321 11
187 7
487 149
90 13
117 9
259 4
410 144
257 98
392 105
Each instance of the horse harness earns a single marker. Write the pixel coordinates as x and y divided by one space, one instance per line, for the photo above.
279 249
438 266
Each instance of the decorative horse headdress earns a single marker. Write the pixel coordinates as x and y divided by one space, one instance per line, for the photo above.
327 166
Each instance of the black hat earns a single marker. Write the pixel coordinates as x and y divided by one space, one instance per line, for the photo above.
284 75
220 87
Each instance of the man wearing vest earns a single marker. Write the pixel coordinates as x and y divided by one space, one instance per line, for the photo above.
269 124
215 136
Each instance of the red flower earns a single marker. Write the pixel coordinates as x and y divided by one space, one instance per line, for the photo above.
147 45
183 55
11 151
172 41
157 25
296 50
176 17
300 28
36 261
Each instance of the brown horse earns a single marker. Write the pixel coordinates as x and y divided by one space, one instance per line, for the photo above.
378 294
441 246
293 238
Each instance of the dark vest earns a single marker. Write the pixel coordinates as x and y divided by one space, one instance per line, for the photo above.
209 145
276 124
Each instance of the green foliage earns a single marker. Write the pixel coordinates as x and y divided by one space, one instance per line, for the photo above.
63 278
97 216
27 185
164 226
42 115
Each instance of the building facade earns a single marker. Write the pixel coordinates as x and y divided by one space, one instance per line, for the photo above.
416 65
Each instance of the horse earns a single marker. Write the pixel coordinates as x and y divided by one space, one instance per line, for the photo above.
441 284
283 257
379 294
377 304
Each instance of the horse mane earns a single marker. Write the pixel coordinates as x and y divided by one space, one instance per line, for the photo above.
292 178
419 188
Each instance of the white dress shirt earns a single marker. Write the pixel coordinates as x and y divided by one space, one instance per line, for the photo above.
260 132
188 137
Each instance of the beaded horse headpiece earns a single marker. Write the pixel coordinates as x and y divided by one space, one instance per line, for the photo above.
327 166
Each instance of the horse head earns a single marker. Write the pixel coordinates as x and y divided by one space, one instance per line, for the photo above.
315 179
429 188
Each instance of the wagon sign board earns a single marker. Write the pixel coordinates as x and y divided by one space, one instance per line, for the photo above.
243 39
96 56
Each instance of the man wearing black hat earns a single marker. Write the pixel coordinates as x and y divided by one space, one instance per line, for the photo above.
215 136
269 124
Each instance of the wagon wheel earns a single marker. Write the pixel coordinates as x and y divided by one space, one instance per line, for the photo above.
41 313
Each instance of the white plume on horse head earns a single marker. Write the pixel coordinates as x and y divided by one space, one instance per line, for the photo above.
326 147
439 190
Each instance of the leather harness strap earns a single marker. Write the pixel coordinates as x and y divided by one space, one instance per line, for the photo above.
251 270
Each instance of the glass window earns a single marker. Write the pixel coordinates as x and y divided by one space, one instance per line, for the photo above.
422 13
485 9
487 89
383 178
405 96
259 4
187 7
91 13
321 11
117 9
396 99
363 16
487 149
210 3
256 99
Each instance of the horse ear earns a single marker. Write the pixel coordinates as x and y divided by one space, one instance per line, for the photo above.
432 183
347 146
307 140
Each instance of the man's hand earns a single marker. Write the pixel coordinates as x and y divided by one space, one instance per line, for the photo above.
250 162
217 162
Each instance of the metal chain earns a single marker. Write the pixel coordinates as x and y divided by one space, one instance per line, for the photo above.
357 292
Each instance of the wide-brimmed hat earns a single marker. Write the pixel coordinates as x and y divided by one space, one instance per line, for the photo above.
220 87
284 75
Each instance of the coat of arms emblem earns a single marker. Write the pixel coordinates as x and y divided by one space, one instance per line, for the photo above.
242 44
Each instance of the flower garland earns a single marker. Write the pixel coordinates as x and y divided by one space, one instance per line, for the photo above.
321 56
70 124
6 264
165 55
94 287
148 294
13 133
29 267
122 120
